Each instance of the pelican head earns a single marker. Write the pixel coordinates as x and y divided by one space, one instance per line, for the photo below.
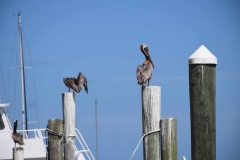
15 121
145 51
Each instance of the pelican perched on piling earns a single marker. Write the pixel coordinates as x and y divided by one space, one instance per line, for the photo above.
144 71
76 84
17 137
82 81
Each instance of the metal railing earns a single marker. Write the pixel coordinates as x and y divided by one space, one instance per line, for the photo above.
83 144
38 133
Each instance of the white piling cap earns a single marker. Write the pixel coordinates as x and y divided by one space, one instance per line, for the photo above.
202 56
4 105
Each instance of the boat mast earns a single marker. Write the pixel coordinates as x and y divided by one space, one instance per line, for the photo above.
24 109
96 119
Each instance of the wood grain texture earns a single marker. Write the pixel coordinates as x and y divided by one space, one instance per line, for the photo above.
150 120
69 150
18 153
169 138
55 146
68 101
202 86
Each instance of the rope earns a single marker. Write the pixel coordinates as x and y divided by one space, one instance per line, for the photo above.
70 136
144 135
55 133
34 80
59 134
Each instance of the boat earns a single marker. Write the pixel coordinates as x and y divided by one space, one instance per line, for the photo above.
35 147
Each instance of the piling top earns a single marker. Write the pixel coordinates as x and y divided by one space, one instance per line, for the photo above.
202 56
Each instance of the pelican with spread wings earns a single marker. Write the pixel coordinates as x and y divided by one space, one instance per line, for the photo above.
144 71
76 84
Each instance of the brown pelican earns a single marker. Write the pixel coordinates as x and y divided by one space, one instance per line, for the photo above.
17 137
71 84
82 81
76 84
144 71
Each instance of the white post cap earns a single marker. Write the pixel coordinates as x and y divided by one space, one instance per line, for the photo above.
202 56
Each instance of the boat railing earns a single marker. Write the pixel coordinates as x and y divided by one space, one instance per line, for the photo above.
34 133
83 149
83 144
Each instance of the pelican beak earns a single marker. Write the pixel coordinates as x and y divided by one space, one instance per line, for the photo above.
145 51
151 61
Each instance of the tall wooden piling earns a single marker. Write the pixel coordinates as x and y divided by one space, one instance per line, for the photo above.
68 101
150 121
169 138
202 87
55 139
18 153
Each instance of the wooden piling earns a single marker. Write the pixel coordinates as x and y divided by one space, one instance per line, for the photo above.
150 121
169 139
18 153
202 87
55 145
68 101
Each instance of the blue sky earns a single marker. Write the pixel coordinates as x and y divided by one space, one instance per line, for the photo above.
102 39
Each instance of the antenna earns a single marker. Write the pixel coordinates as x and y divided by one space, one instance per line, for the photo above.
96 128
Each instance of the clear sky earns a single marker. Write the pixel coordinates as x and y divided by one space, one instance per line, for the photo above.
102 39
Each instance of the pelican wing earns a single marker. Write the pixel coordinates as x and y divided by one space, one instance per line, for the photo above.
140 70
85 84
147 74
144 73
70 83
82 81
18 138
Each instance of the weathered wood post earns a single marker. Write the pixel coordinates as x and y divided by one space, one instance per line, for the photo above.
68 101
55 137
169 139
150 121
202 87
18 153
